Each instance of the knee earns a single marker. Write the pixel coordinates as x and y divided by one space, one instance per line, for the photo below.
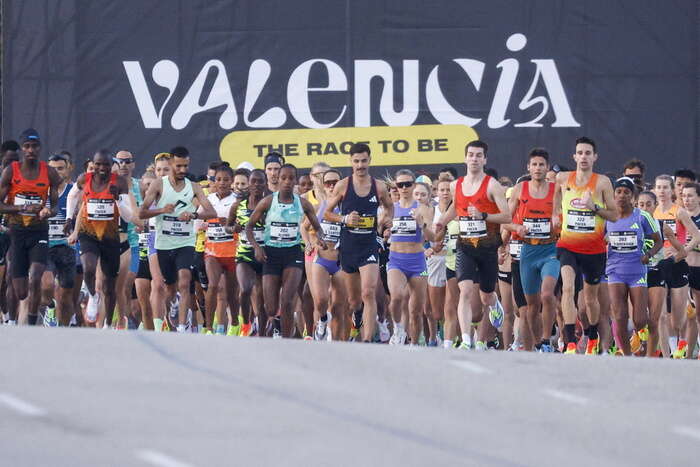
368 293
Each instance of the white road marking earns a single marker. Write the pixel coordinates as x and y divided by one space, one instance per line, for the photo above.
20 406
687 431
159 459
566 396
470 366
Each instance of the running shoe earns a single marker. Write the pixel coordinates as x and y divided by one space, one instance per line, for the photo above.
644 334
93 307
308 338
593 347
208 332
276 334
384 334
321 330
245 330
480 346
50 320
570 348
354 333
546 348
464 346
496 315
681 350
181 328
433 343
220 330
635 343
233 330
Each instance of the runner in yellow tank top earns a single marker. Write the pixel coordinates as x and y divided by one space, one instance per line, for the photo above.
586 201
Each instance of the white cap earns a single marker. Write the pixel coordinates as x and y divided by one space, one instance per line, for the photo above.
245 165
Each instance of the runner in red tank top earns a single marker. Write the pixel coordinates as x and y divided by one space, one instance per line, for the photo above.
480 205
24 189
106 201
532 204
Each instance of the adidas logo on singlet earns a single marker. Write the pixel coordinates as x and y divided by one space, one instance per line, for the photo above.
634 226
373 199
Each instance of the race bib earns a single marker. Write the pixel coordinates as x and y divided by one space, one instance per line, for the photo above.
623 242
176 228
452 242
537 227
258 235
580 221
671 223
100 209
284 232
56 231
331 231
143 240
472 228
217 233
27 199
364 225
404 226
515 247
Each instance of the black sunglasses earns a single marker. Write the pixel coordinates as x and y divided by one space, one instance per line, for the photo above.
122 161
330 182
404 184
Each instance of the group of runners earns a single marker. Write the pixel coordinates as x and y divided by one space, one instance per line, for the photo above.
560 261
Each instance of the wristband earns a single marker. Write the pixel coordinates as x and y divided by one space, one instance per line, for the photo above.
484 215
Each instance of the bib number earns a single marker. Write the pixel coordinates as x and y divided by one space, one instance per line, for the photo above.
26 199
515 247
100 209
580 221
176 228
217 233
472 228
537 227
258 235
56 229
623 242
331 231
404 226
284 232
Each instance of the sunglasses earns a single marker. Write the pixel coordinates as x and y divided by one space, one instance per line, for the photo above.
404 184
330 182
58 157
123 161
211 179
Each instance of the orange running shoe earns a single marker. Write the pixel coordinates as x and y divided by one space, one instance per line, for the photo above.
570 348
593 347
635 343
245 330
682 348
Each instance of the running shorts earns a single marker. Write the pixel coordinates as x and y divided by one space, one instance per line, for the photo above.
450 274
228 264
410 264
694 277
353 257
505 276
27 247
144 271
61 262
635 279
537 262
518 294
172 261
330 266
591 266
675 274
199 271
477 265
134 265
107 251
655 277
279 259
436 271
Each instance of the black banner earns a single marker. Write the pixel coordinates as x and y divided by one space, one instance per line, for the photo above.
415 79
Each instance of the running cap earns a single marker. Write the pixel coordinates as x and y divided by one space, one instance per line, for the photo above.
246 165
423 179
30 134
625 182
274 157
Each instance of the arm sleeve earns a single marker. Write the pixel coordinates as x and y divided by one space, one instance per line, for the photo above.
72 201
125 207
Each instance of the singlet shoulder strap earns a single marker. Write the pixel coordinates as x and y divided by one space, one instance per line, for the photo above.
525 190
552 187
571 181
592 182
16 172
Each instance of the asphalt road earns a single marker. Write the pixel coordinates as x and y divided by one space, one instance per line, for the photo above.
79 397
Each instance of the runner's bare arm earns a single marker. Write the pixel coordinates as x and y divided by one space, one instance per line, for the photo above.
125 200
261 208
513 202
54 182
498 194
232 217
152 194
208 211
654 249
556 206
691 229
313 220
426 215
385 202
334 200
678 246
5 180
608 212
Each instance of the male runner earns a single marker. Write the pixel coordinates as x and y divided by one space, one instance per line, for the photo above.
24 190
359 196
9 152
61 259
586 201
533 202
106 207
480 205
681 178
273 164
175 238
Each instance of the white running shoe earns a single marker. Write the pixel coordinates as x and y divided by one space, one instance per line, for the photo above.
384 334
181 328
93 307
321 330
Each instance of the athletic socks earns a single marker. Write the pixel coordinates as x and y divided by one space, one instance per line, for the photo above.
158 324
447 344
570 333
467 339
324 318
673 343
593 332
